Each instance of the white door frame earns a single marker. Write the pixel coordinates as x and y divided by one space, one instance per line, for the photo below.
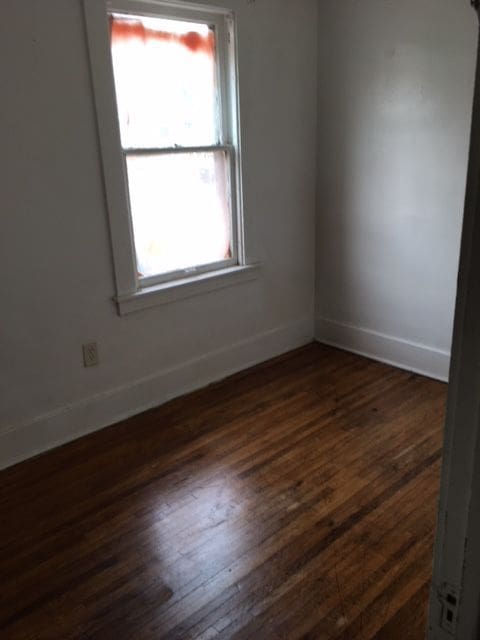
457 549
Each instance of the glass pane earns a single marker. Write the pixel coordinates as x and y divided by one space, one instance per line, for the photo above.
165 81
180 210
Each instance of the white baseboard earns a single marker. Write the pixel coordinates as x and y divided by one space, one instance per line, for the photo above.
411 356
22 441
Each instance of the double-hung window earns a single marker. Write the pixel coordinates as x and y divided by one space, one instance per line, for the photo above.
165 83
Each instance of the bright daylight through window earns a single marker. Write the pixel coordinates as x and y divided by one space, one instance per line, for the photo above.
179 159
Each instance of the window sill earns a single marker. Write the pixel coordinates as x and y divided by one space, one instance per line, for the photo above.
185 288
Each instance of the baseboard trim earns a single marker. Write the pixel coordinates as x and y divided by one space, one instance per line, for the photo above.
22 441
411 356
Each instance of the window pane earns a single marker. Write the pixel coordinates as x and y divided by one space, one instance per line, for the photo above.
180 210
165 81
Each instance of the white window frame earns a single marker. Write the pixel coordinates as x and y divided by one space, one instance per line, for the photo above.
134 293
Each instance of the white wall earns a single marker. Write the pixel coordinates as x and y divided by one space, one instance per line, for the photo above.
57 282
395 95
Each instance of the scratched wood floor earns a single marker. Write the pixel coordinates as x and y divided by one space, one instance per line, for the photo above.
295 500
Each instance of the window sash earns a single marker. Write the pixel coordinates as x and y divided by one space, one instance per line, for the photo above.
218 18
154 151
188 272
182 274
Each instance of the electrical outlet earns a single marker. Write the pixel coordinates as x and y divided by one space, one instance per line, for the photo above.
90 354
449 598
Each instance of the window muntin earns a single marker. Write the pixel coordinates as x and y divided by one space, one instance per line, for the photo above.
177 157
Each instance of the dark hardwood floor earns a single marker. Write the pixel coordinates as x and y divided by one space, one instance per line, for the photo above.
295 500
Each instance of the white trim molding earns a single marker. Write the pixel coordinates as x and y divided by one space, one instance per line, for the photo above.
22 441
186 288
398 352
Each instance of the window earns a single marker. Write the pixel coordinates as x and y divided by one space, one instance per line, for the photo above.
164 77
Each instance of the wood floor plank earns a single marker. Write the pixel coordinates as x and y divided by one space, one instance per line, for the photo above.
294 500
